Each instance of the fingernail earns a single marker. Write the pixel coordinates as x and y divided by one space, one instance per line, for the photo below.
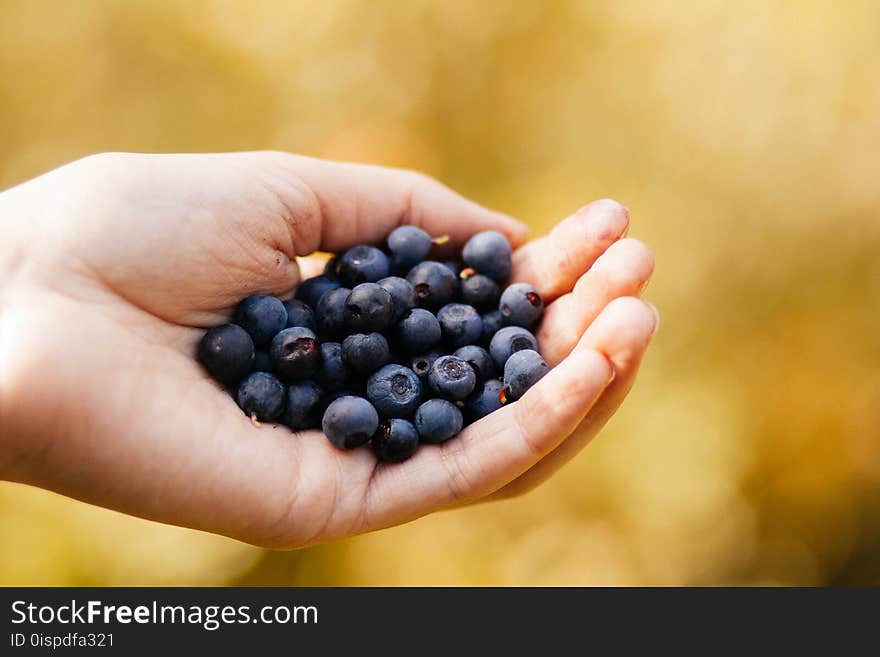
656 318
612 377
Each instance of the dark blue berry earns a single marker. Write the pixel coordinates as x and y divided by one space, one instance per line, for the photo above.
421 364
331 268
479 291
362 264
261 397
520 305
460 324
523 370
403 295
437 420
330 312
489 253
312 289
479 360
365 352
333 373
295 353
349 422
417 331
303 406
395 391
395 440
299 313
484 400
451 377
435 284
262 361
369 307
262 317
227 352
508 340
409 245
492 321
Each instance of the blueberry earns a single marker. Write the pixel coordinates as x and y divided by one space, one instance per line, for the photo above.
508 340
349 422
262 361
299 313
421 364
261 397
365 353
262 317
395 440
479 291
479 360
520 305
333 373
492 321
437 420
330 312
417 331
523 370
227 352
395 391
403 295
434 283
460 323
296 353
303 406
484 400
409 245
489 253
368 308
362 264
331 268
312 289
451 377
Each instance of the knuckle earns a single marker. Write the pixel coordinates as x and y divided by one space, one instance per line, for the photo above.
454 458
298 207
419 179
534 405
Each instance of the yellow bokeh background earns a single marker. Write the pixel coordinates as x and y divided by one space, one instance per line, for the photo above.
742 136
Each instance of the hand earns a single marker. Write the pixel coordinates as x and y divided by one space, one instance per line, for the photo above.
111 268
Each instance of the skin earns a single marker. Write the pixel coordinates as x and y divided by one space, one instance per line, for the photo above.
112 267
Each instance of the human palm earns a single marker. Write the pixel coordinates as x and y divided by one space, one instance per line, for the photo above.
115 265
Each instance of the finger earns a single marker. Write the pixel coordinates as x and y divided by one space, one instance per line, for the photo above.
623 270
493 451
622 332
332 205
554 262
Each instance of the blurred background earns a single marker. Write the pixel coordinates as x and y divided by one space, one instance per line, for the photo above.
742 136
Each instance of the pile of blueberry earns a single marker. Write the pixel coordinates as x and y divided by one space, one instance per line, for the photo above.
385 345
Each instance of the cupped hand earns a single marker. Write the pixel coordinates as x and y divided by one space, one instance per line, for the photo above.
111 267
